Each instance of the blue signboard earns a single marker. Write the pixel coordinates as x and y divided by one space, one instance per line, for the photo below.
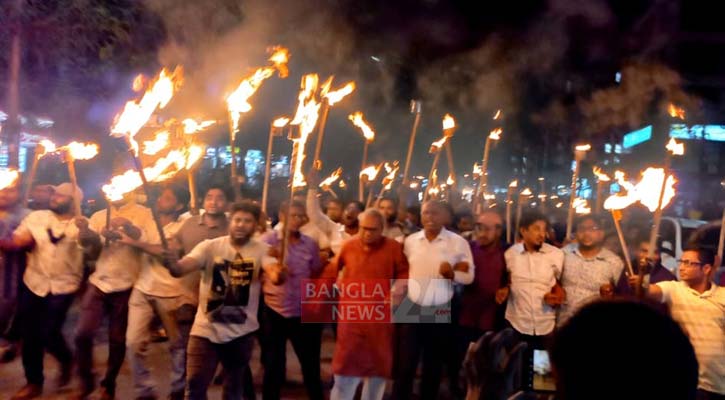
634 138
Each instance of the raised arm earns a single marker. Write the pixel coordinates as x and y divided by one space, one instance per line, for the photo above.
315 214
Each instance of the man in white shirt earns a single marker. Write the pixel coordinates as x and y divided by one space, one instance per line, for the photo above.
157 293
108 291
229 296
590 270
53 275
534 269
698 305
336 232
437 259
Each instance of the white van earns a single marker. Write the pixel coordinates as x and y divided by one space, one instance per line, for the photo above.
675 233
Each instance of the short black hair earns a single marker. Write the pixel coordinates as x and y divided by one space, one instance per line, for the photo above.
359 204
596 218
414 209
531 217
390 199
705 255
247 206
223 188
593 356
645 239
181 194
334 200
294 203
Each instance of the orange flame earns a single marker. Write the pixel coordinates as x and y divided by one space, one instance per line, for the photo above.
581 206
646 191
526 192
514 183
81 151
675 148
136 113
370 172
495 134
450 180
334 176
497 115
392 171
342 184
280 122
477 169
448 122
601 176
337 95
158 143
306 116
192 126
437 145
48 147
357 120
583 147
238 100
8 177
676 112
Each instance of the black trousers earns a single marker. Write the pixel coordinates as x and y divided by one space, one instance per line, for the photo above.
94 306
41 322
434 341
306 341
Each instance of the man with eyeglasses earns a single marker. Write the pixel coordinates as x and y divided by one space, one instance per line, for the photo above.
590 270
654 268
698 305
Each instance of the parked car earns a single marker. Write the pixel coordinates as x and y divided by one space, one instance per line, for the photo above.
676 233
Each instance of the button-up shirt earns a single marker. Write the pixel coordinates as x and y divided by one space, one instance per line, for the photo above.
303 262
532 275
478 305
334 231
582 278
196 229
702 317
55 268
426 286
156 280
118 264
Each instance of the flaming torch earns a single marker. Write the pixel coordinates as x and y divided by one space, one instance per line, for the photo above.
369 175
185 132
369 134
135 115
494 135
509 195
305 119
673 148
42 148
602 182
523 196
332 98
275 129
388 180
238 101
78 151
449 128
326 184
8 177
579 153
435 147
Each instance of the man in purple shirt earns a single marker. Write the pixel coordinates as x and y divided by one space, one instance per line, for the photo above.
282 308
479 311
658 273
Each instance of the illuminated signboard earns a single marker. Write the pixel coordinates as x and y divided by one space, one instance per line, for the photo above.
634 138
714 133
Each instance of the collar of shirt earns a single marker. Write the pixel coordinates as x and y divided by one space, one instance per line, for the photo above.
442 235
707 293
202 221
545 248
601 256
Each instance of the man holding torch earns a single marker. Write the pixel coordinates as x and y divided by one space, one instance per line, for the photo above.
53 239
12 266
108 291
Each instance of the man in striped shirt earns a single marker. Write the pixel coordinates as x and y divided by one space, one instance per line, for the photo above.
698 305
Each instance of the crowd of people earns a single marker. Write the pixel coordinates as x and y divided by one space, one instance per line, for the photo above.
228 279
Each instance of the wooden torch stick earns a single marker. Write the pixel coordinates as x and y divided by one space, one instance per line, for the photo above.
721 241
430 175
317 163
232 140
157 222
657 217
451 164
578 157
31 176
414 108
509 234
483 179
74 181
616 216
267 169
361 182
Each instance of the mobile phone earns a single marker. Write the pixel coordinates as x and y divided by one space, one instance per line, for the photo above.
540 378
